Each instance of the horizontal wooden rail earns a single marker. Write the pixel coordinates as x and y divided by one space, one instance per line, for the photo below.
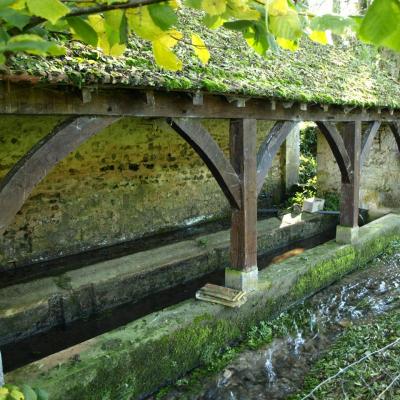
52 100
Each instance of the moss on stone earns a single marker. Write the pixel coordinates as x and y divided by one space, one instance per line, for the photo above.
161 347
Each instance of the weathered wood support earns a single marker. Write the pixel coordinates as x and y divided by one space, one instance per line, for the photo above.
243 273
395 127
269 148
37 163
347 232
367 140
337 146
203 143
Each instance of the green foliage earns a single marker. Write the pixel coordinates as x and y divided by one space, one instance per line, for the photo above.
332 201
259 335
106 24
24 392
367 379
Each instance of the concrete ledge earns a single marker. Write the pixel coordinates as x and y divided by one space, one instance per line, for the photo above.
138 358
37 306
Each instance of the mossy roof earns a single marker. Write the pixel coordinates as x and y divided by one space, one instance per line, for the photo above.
349 74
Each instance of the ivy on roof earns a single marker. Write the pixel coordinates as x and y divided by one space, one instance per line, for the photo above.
347 74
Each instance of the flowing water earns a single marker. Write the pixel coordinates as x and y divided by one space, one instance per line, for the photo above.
278 369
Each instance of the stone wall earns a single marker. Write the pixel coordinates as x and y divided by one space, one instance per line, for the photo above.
135 178
380 175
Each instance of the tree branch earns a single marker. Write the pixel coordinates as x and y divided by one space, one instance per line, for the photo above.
79 11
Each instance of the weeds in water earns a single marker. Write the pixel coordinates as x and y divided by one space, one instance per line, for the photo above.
259 335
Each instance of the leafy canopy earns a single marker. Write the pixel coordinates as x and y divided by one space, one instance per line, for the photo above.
34 26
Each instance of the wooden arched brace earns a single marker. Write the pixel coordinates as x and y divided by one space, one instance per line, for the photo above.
270 147
395 127
338 148
17 185
368 139
202 142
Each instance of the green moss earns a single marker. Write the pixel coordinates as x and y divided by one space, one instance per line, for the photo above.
147 355
352 74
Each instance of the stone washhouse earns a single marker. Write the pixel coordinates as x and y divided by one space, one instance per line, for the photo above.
97 151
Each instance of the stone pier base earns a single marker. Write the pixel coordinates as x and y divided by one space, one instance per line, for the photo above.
347 235
242 280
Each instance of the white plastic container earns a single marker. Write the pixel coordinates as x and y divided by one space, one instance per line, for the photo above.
313 205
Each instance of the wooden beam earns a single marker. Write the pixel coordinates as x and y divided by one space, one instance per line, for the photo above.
111 100
349 202
337 146
243 137
270 147
17 185
395 127
206 147
368 139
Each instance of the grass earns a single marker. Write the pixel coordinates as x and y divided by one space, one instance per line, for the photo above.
367 379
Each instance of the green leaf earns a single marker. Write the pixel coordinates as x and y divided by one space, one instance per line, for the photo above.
41 394
334 23
51 10
33 44
213 21
163 54
142 24
196 4
163 15
381 24
6 3
240 25
286 26
115 26
214 7
4 36
28 392
83 30
14 18
200 49
257 38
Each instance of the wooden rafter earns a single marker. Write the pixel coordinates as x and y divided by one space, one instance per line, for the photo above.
26 100
367 140
338 148
17 185
209 151
269 148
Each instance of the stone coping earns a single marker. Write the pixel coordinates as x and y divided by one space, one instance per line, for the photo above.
38 305
159 348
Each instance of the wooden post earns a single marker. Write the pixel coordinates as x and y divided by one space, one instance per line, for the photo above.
347 232
243 273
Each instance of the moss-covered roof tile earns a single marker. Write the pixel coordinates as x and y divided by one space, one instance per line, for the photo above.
343 74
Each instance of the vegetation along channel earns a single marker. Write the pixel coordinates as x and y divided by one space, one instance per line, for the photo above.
342 343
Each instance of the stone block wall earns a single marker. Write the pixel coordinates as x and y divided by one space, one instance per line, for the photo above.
380 175
135 178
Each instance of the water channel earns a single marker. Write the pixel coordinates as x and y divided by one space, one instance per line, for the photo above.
277 370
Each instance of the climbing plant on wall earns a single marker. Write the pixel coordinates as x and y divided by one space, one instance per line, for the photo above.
35 26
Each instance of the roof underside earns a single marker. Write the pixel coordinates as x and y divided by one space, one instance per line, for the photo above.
342 74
